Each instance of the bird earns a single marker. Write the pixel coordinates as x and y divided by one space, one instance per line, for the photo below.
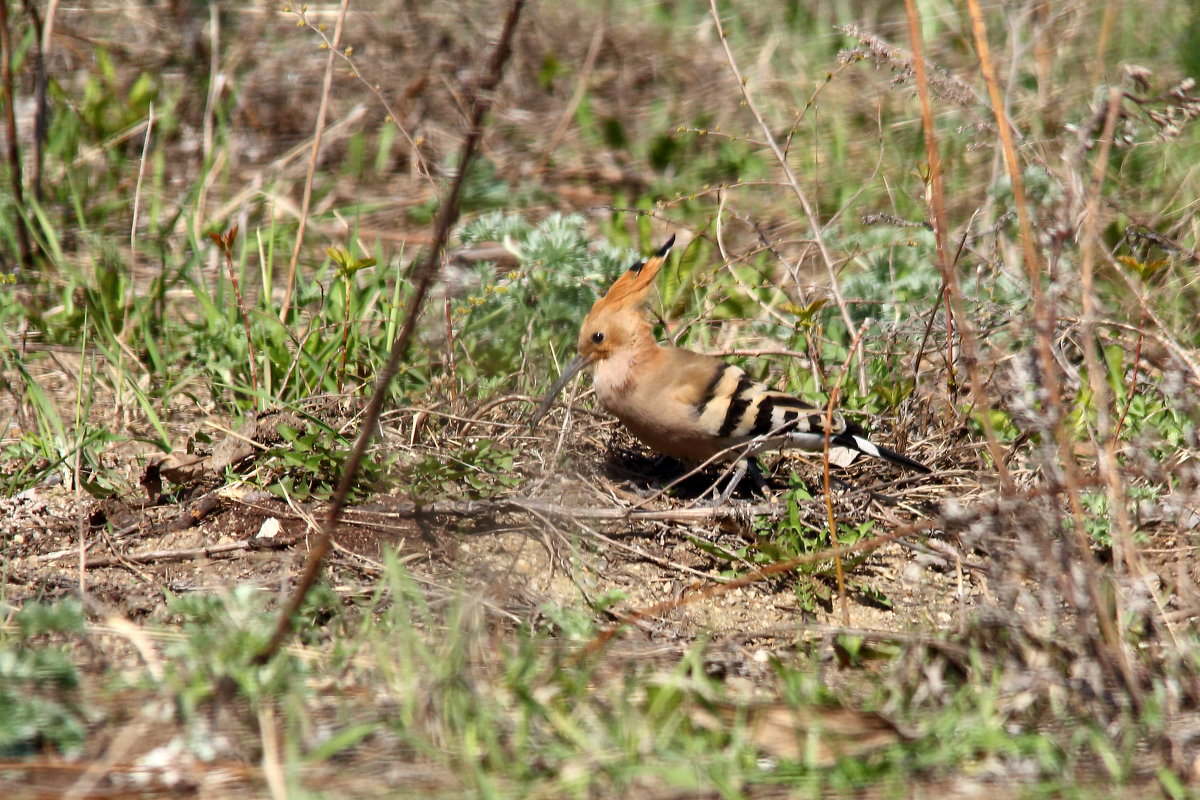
692 406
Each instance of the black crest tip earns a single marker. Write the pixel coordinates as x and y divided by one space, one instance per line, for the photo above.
666 248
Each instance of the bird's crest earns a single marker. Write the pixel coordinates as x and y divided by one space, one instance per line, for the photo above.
631 288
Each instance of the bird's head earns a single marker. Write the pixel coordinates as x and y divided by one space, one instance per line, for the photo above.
615 319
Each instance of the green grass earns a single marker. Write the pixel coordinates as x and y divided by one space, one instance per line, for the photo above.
488 710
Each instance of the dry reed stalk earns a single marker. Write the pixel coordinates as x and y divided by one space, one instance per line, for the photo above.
319 128
1124 551
1115 651
830 518
959 317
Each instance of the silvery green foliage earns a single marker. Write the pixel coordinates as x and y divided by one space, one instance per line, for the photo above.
901 274
900 269
493 227
544 300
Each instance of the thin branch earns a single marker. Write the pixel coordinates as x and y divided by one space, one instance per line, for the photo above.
813 220
306 201
490 508
12 151
374 88
44 28
174 554
424 276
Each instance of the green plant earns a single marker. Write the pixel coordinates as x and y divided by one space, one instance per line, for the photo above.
483 468
74 449
39 702
347 266
222 634
1098 522
782 539
531 717
310 463
536 308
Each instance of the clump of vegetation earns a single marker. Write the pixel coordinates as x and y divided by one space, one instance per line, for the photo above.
40 704
537 307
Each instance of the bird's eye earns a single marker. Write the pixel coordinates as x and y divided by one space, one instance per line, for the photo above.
598 337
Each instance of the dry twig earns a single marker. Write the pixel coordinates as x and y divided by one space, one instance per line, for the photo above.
809 211
312 162
481 102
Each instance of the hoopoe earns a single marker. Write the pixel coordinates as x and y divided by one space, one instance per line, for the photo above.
693 406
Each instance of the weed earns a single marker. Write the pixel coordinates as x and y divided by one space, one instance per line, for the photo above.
347 266
1098 521
309 464
221 635
482 469
782 539
39 703
529 311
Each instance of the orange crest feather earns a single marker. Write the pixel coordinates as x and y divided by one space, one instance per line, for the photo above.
634 283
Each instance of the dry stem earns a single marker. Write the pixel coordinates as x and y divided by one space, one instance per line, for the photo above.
319 128
424 275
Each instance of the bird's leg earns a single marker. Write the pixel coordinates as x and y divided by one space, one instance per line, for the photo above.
660 463
756 473
734 480
842 483
749 464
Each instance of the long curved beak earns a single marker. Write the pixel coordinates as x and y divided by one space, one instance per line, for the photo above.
573 368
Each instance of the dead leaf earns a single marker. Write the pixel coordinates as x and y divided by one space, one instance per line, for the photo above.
183 468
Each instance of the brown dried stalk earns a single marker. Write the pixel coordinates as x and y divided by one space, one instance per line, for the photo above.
1115 651
322 109
481 101
970 345
12 152
833 538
